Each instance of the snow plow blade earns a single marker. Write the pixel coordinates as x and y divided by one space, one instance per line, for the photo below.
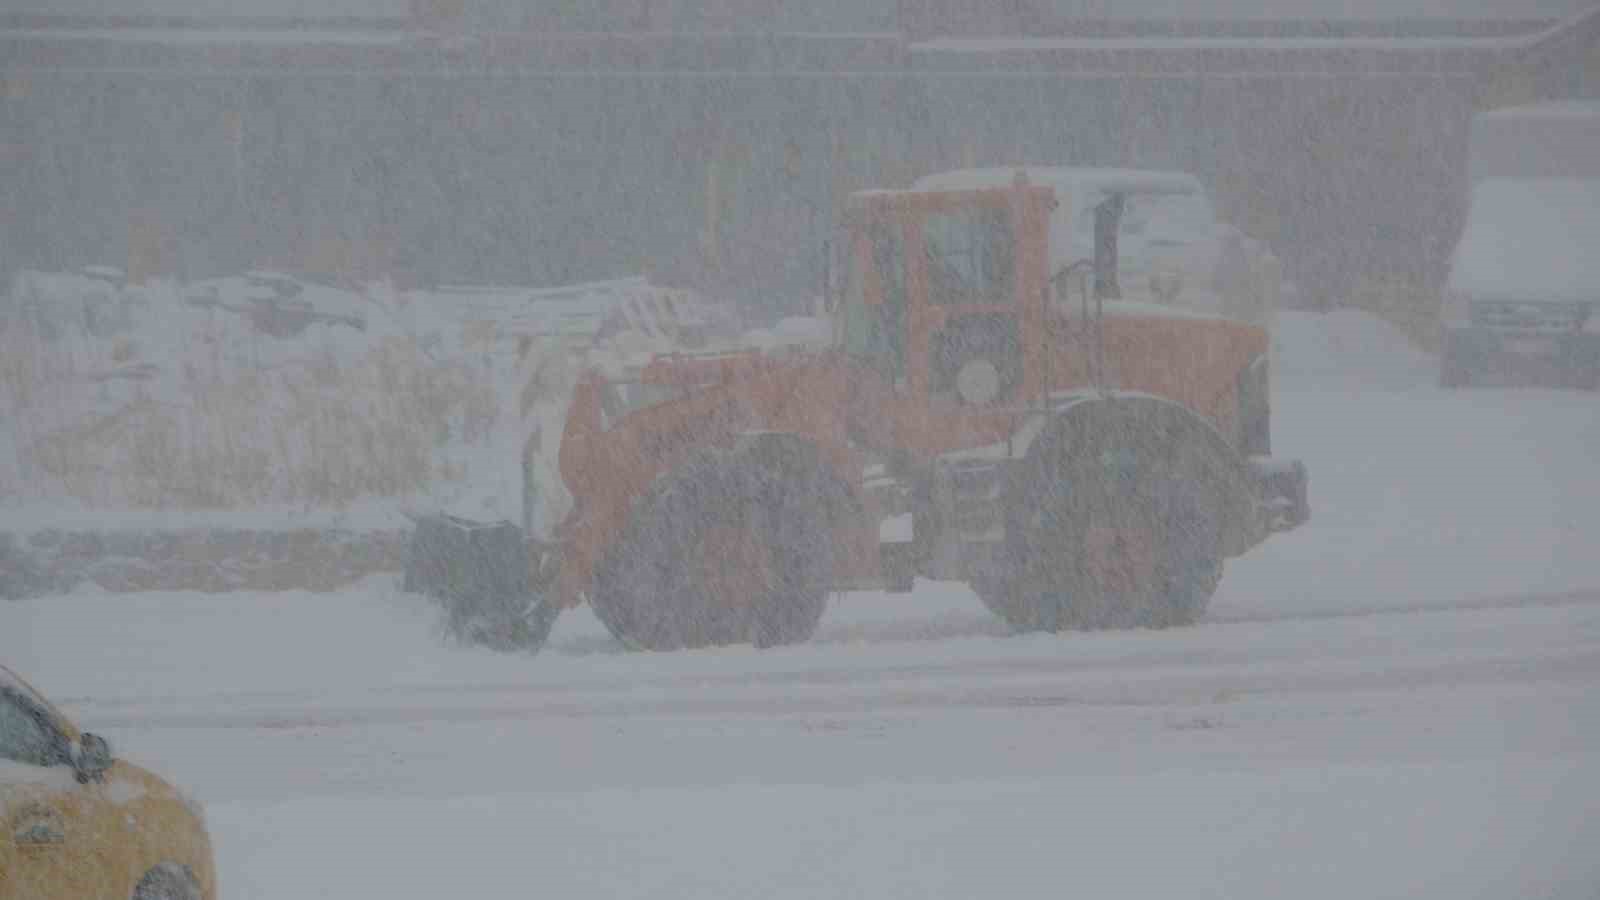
479 573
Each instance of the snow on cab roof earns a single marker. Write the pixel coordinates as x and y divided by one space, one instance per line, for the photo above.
1133 181
1530 239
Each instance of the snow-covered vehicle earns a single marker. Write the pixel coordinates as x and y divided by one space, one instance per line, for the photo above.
83 825
967 412
1524 284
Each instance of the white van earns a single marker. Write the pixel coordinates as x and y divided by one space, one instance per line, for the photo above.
1524 285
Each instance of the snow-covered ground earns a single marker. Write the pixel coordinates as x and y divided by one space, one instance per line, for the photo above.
1398 700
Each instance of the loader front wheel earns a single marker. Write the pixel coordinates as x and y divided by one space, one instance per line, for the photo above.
1114 522
723 550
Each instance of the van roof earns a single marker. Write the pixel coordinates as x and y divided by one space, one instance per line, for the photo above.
1554 139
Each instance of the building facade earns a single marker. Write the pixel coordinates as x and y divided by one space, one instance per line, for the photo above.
446 145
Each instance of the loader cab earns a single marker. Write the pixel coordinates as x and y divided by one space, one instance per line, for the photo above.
944 294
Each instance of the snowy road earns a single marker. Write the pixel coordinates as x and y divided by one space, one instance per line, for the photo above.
1451 752
1402 699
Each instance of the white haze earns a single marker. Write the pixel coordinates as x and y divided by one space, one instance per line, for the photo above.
315 297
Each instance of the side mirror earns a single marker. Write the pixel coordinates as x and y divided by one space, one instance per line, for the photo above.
93 758
1107 223
1072 277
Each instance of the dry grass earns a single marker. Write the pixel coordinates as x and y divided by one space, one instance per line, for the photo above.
324 433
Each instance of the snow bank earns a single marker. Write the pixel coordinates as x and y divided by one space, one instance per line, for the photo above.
1349 348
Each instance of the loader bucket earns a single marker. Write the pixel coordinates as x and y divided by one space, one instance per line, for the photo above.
479 574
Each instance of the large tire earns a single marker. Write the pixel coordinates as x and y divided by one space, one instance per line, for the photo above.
1113 521
167 881
480 574
728 548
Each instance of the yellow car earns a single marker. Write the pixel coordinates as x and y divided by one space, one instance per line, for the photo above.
79 824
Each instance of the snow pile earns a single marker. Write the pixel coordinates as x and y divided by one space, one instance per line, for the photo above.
1348 345
227 393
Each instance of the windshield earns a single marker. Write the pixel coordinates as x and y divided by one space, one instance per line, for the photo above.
968 256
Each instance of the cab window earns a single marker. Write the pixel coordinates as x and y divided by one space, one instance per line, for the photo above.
24 735
874 332
969 257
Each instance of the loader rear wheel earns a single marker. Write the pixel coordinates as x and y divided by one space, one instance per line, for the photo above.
728 548
1112 523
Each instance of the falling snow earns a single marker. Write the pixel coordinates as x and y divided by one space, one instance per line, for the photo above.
843 449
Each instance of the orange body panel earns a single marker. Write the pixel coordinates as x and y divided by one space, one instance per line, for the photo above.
1195 362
